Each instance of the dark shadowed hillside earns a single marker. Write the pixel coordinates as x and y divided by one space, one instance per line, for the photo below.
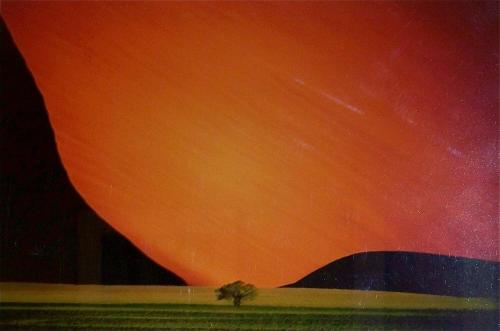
47 232
408 272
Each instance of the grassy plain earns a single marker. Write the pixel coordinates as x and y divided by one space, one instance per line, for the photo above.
88 307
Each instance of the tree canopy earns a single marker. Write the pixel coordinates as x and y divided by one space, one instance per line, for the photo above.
237 291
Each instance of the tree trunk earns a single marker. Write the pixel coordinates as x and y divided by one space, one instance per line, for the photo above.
237 301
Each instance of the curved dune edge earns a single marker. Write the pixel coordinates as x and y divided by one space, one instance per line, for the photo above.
259 142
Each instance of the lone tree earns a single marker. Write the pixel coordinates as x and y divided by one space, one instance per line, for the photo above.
236 291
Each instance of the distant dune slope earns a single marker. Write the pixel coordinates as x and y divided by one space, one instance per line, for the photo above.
408 272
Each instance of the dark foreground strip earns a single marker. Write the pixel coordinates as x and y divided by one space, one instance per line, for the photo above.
205 317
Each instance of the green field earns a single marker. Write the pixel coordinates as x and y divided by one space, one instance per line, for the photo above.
69 307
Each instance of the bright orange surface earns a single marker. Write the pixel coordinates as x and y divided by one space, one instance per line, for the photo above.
261 141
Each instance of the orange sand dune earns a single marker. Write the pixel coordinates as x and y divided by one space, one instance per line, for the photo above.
260 141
